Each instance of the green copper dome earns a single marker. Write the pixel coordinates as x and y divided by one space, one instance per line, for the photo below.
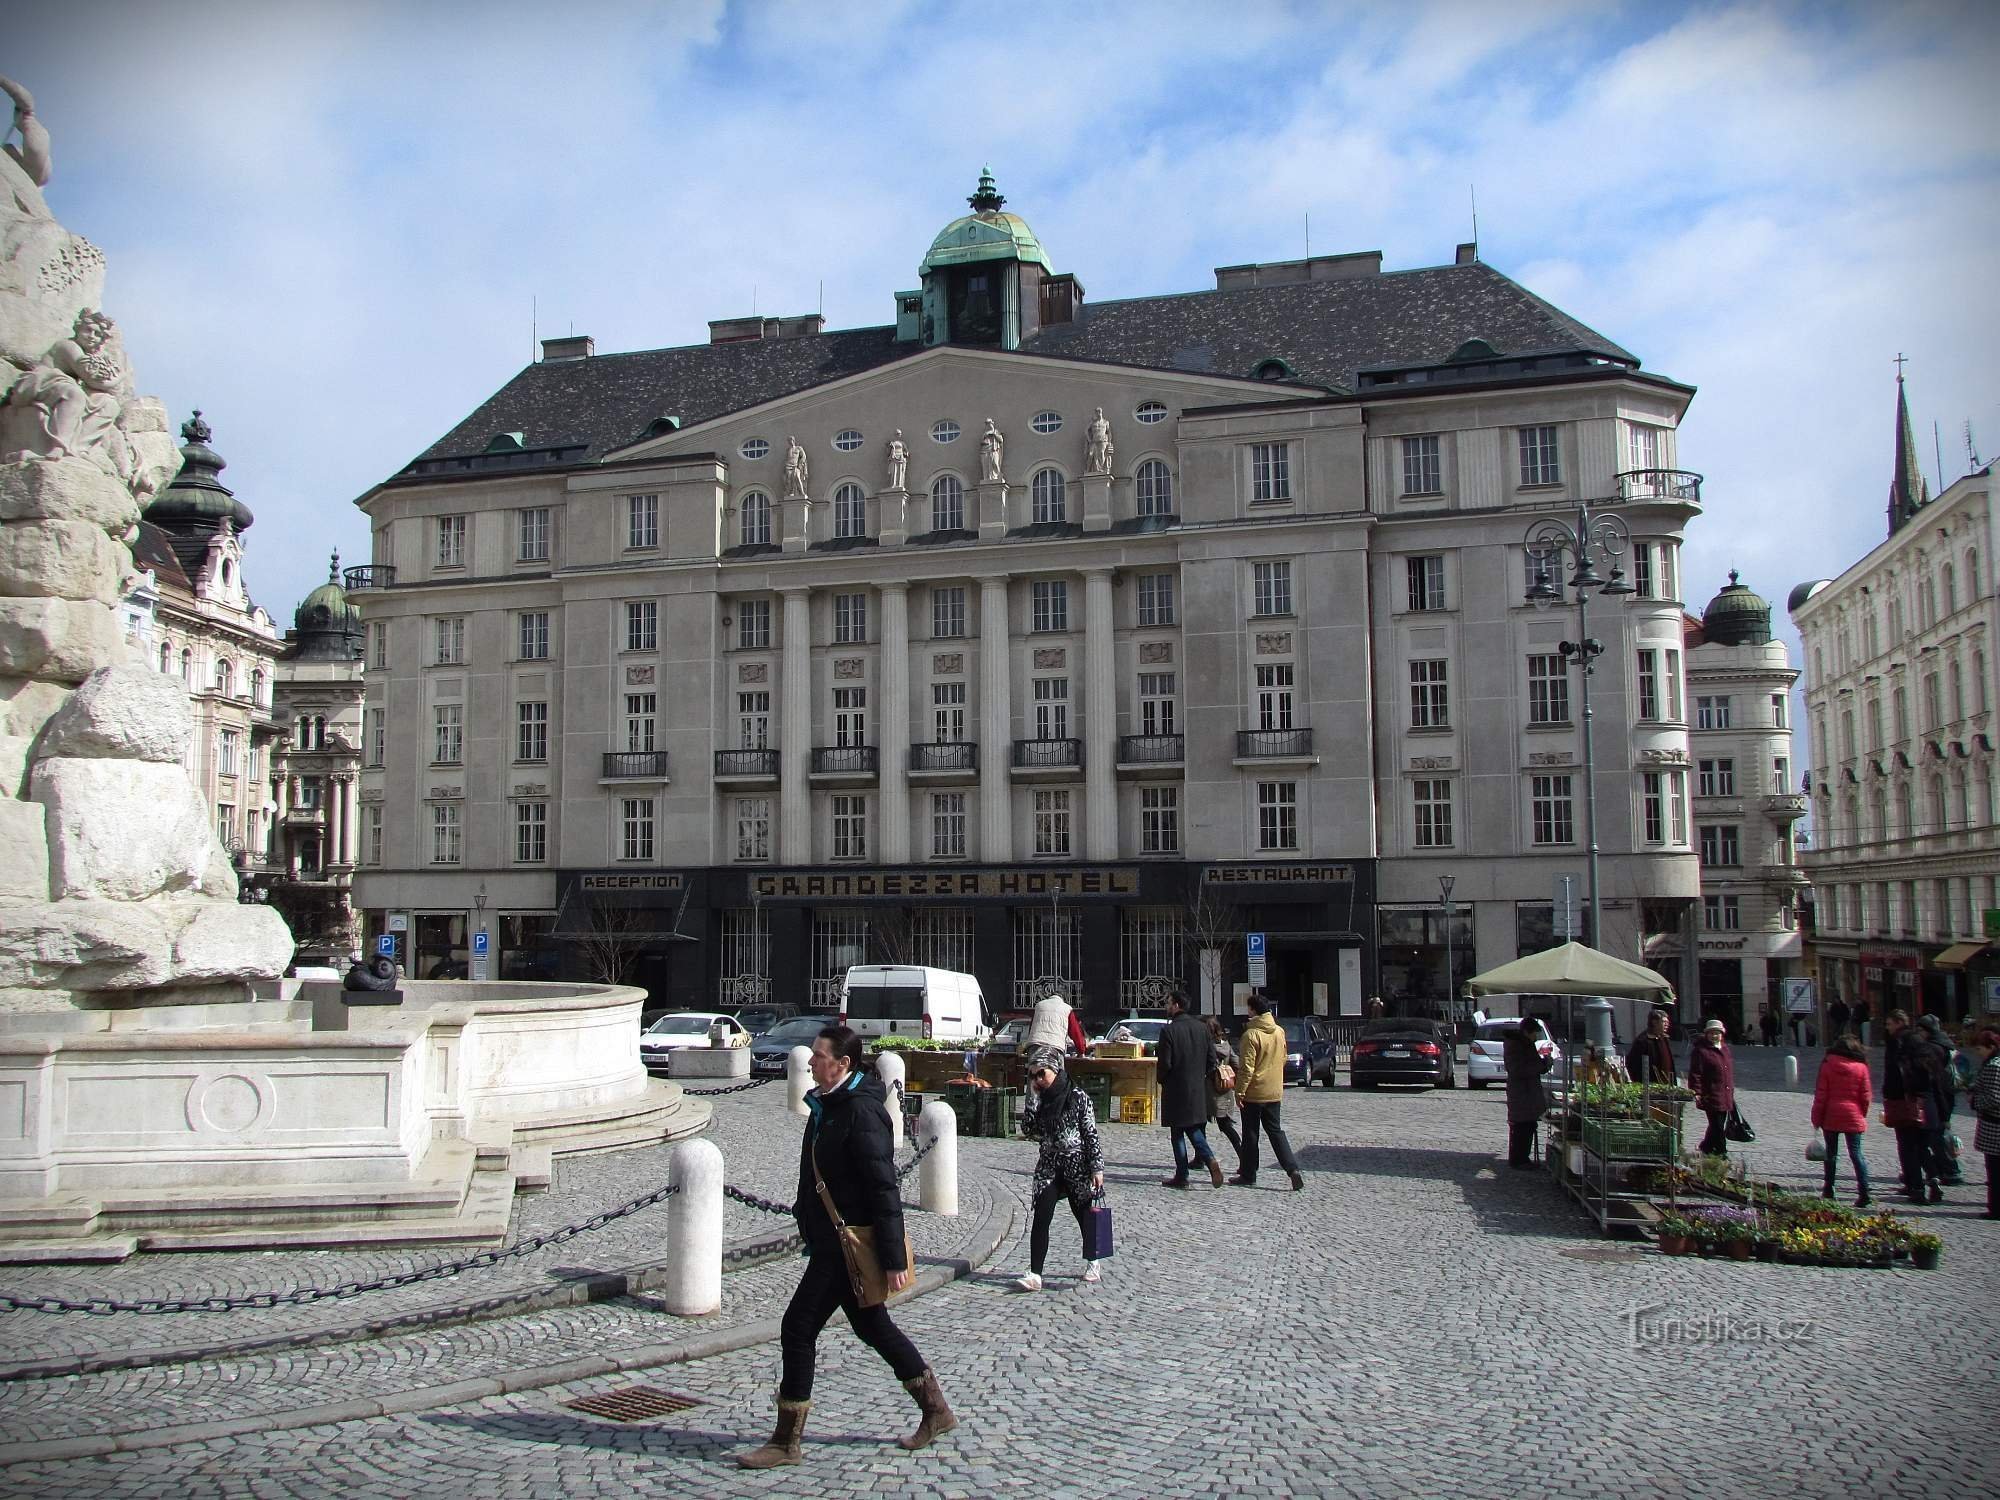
198 500
985 234
1737 617
329 627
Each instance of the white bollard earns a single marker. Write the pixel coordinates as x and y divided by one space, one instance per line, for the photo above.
798 1080
693 1287
890 1069
937 1173
1791 1071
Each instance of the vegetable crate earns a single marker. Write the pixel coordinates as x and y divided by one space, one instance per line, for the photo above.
1132 1109
1649 1139
972 1105
1098 1087
1004 1107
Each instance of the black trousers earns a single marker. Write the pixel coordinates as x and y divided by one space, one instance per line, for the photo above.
1910 1158
1264 1117
823 1288
1521 1142
1993 1183
1227 1126
1715 1143
1045 1211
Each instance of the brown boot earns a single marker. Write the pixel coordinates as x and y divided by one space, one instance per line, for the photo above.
938 1418
784 1445
1215 1171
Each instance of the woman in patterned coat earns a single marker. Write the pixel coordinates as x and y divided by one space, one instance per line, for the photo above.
1071 1164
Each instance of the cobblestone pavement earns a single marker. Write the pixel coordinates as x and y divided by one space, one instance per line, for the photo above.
1412 1324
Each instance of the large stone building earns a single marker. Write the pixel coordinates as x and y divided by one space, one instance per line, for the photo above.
1899 700
1746 802
1049 639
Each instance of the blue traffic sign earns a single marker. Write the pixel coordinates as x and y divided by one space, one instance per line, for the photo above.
479 942
1253 944
386 945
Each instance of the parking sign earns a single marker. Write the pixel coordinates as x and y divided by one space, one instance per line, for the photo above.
479 942
1253 949
385 945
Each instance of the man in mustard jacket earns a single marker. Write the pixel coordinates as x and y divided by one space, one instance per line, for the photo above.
1260 1091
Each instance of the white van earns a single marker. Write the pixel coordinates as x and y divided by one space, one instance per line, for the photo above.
880 1000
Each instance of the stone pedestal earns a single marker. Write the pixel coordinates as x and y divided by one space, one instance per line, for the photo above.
1096 501
708 1062
794 525
893 507
993 510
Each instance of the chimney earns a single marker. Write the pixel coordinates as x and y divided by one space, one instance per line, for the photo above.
575 346
1290 272
745 330
1468 253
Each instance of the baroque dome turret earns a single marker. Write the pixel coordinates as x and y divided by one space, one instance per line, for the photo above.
1737 616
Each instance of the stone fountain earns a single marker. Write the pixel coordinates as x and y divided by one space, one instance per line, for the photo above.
160 1085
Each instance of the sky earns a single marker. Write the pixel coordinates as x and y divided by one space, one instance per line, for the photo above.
337 227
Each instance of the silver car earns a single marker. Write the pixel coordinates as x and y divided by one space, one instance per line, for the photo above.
1486 1060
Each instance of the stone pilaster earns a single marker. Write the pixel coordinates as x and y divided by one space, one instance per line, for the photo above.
892 733
1100 717
996 741
795 733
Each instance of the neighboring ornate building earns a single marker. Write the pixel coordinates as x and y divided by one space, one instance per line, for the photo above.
316 768
1746 802
1035 637
187 606
1899 697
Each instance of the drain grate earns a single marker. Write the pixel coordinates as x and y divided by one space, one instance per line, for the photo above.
634 1403
1603 1254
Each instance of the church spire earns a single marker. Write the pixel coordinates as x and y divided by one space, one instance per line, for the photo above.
1907 491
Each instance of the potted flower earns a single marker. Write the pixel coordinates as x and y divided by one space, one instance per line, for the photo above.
1675 1234
1726 1229
1925 1250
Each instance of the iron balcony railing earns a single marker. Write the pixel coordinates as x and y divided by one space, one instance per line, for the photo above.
1047 755
369 576
1151 749
944 755
1252 744
626 764
1659 484
746 763
843 760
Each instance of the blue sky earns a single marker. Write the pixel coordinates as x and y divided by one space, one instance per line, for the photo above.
327 224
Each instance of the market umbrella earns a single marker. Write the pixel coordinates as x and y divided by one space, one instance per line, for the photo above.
1573 969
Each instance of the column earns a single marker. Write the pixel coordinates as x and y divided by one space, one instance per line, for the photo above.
795 733
996 726
350 834
892 729
1100 717
337 789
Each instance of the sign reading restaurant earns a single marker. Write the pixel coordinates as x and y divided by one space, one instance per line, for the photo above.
1297 873
998 883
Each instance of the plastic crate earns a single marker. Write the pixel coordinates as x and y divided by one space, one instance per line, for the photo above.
1132 1109
1649 1140
1003 1111
969 1104
1097 1086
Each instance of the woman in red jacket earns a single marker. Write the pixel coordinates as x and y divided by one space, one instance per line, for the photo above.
1840 1109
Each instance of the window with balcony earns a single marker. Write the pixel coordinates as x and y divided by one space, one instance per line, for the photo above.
1153 488
635 824
1425 577
531 534
850 512
1157 701
1051 708
1046 492
1715 778
948 712
534 634
1714 711
1431 803
947 825
641 722
1430 694
1642 441
753 624
445 838
1156 599
1270 472
448 721
756 519
1548 689
753 829
449 638
1277 815
947 503
1540 462
531 833
948 612
850 827
1423 472
642 522
1552 809
450 541
1721 914
850 717
531 731
1051 822
1159 820
850 619
1049 605
1271 587
642 624
753 720
1274 695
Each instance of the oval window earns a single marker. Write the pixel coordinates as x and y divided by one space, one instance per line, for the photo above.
944 431
1047 421
754 448
1150 412
847 440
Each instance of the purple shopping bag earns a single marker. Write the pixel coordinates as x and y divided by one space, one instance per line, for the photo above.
1097 1231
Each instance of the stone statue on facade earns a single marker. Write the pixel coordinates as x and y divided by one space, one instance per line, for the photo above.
69 404
32 155
1097 446
899 461
992 455
797 474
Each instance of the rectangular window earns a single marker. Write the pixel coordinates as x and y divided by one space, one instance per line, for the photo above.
227 749
449 638
850 827
1645 445
636 828
753 720
451 541
1274 695
534 635
1781 774
1653 807
642 521
1643 577
1277 815
753 828
753 624
531 731
948 712
641 721
1552 807
850 717
1715 778
1670 676
380 631
371 833
947 825
1159 820
1781 717
1426 581
1432 803
1548 690
850 619
1711 712
378 736
1270 471
531 832
1430 694
444 833
1051 822
1677 805
1422 473
1272 589
1051 708
448 719
642 624
1539 463
1157 703
1719 844
1156 598
225 824
948 612
1050 606
531 535
1721 914
1649 684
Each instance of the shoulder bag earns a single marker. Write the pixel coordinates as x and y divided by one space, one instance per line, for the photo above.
857 1247
1736 1128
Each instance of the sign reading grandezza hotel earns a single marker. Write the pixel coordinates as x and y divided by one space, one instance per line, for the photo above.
998 883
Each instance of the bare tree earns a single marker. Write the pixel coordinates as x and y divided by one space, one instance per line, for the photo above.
609 939
1210 928
892 934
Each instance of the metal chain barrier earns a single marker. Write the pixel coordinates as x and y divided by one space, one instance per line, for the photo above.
731 1088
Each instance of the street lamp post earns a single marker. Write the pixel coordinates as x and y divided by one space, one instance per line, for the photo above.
1445 884
1592 539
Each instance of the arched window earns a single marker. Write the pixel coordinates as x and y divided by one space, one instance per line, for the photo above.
1971 575
1881 814
304 738
1905 823
257 686
1154 484
225 677
1961 800
947 503
1957 688
1979 682
850 511
319 733
166 656
1937 804
1950 581
756 519
187 665
1047 490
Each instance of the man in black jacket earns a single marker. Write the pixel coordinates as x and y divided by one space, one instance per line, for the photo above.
1902 1106
1186 1058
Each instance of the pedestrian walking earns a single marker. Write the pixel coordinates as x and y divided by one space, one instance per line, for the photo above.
1186 1058
1712 1076
1222 1088
1841 1096
1651 1059
1770 1026
1861 1017
1527 1095
1902 1109
847 1157
1986 1108
1929 1057
1070 1164
1260 1093
1837 1019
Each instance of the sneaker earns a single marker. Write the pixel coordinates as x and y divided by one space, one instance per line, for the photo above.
1091 1273
1029 1283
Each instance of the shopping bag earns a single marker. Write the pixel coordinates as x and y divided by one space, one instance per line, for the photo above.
1097 1230
1815 1150
1736 1128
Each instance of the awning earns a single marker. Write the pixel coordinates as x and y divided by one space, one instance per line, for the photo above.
1957 955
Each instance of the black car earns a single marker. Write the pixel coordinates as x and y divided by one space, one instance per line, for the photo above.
1403 1049
758 1019
770 1052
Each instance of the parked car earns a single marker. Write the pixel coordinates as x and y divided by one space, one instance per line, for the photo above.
758 1019
907 1000
770 1052
681 1028
1145 1030
1486 1058
1322 1056
1012 1035
1302 1034
1403 1049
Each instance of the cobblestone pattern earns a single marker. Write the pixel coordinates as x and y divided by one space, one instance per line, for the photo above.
1407 1326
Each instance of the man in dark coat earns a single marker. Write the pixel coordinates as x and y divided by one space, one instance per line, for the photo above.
1929 1080
1186 1058
1527 1097
1902 1106
1651 1059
